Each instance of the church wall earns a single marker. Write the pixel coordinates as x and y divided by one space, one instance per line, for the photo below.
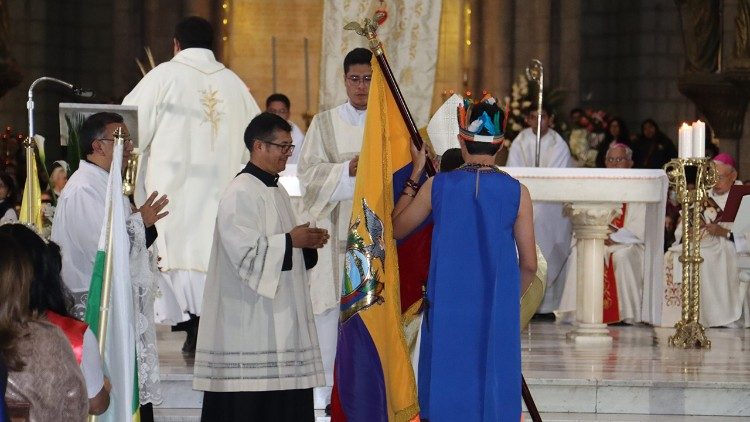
631 56
253 23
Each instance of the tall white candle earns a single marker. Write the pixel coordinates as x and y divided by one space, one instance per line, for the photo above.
685 144
699 139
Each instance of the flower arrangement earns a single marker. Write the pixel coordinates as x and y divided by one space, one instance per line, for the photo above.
588 132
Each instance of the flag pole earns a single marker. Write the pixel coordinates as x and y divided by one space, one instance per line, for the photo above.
370 32
107 276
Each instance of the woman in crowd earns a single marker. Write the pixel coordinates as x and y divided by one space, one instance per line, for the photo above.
7 199
50 299
42 368
58 176
618 132
652 149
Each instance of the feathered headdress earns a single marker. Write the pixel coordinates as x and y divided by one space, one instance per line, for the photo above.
481 121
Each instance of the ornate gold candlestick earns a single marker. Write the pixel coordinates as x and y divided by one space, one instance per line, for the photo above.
689 333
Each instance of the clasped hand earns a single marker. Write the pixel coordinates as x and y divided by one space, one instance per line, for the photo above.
304 236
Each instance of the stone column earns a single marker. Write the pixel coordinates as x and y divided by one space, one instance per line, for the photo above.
591 228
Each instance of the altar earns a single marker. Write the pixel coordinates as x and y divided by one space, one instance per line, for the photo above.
592 198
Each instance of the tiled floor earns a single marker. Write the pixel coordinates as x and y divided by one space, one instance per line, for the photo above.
638 378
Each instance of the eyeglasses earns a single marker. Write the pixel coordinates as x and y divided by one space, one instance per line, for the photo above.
356 79
285 148
616 160
125 141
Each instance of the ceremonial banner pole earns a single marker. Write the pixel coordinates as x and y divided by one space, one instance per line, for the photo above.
370 31
535 72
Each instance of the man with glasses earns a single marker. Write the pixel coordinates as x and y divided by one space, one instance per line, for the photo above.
721 294
191 114
258 357
78 221
327 169
624 268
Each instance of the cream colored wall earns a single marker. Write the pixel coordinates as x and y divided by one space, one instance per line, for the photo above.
251 25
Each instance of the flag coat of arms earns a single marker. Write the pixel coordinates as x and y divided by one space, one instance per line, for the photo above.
373 377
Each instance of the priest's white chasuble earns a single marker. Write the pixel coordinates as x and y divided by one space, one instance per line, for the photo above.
721 293
192 115
551 228
333 139
257 332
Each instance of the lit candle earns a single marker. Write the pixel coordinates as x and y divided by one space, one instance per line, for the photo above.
699 139
685 144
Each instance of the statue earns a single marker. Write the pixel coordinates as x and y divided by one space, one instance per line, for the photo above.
701 34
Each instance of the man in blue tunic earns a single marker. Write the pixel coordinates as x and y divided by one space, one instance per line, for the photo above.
483 257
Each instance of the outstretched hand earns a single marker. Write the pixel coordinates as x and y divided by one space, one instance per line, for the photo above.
304 236
151 209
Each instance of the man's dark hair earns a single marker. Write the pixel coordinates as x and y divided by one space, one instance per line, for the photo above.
482 148
194 32
545 108
261 128
93 128
280 98
451 160
357 56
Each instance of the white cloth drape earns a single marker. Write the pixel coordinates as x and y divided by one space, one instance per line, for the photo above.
410 36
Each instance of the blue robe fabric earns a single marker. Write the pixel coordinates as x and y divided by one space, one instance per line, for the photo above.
470 358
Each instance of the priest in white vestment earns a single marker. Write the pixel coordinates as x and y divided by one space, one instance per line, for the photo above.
280 105
258 357
192 112
327 170
552 229
721 292
77 225
624 266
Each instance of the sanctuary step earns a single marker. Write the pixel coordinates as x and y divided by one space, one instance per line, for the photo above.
637 378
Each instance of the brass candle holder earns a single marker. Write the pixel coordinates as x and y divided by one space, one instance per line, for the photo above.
692 191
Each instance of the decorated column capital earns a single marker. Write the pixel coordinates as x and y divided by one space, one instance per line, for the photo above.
591 219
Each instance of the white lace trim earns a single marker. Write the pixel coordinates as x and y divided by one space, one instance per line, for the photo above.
143 278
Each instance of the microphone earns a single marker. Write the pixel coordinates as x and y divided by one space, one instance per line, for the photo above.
83 92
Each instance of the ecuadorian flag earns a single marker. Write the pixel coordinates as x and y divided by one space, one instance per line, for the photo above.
373 378
112 260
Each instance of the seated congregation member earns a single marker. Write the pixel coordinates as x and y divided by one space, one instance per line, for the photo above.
42 369
652 149
482 216
617 132
7 199
624 268
257 357
50 300
721 302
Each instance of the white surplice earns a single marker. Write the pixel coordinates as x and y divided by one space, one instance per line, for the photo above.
78 221
629 268
192 115
258 331
333 139
298 138
721 292
552 229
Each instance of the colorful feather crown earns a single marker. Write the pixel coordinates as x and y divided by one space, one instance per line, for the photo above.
481 121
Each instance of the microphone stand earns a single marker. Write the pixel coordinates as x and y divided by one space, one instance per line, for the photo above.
28 144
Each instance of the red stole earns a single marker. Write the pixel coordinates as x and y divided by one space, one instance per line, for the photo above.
611 312
73 330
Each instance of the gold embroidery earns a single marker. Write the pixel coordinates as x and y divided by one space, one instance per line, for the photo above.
210 101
